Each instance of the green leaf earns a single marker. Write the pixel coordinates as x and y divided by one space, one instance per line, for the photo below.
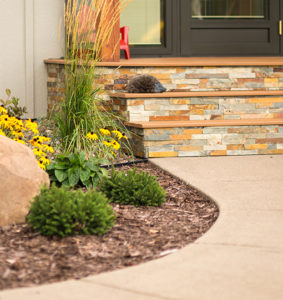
51 166
74 176
66 183
84 175
92 166
61 175
104 172
82 156
8 92
61 166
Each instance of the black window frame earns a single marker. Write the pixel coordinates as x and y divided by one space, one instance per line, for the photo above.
170 41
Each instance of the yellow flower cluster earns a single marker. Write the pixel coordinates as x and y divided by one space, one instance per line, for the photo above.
108 138
20 131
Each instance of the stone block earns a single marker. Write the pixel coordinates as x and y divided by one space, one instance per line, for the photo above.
199 117
164 137
242 74
178 112
257 146
218 152
214 147
201 101
162 154
206 75
179 101
138 118
235 147
193 153
241 152
189 148
180 137
213 130
271 82
232 139
206 136
136 108
193 131
135 102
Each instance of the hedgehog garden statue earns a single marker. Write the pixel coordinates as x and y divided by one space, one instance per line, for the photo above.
145 84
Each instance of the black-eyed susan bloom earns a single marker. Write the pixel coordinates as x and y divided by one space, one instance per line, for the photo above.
3 111
104 131
38 152
92 136
31 126
19 140
107 144
115 145
41 165
44 160
47 148
117 133
5 122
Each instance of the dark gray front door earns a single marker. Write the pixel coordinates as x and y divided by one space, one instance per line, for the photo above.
230 27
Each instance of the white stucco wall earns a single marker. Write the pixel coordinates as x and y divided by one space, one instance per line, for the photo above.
28 35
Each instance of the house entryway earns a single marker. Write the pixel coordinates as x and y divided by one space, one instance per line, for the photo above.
230 27
172 28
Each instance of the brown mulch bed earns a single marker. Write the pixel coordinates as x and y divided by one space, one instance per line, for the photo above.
139 235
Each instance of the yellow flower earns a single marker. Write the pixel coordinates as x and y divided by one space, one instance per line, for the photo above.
36 142
17 133
114 154
47 148
115 145
5 121
107 144
117 133
41 165
31 126
38 152
124 136
19 141
92 136
44 160
2 132
3 110
104 131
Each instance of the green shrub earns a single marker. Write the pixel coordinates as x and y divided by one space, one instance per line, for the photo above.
74 169
63 212
139 189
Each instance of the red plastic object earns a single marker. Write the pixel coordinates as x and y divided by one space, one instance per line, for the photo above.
124 42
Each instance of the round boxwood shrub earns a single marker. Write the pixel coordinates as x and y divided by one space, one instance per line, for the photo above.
63 212
136 188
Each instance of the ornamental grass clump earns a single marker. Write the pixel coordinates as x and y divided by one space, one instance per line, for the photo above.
138 189
62 212
88 27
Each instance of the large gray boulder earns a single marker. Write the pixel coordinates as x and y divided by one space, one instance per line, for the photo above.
20 181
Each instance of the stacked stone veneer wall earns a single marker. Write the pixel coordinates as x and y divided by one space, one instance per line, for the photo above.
208 141
175 78
186 140
198 108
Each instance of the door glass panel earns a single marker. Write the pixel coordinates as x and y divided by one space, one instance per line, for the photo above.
229 9
146 22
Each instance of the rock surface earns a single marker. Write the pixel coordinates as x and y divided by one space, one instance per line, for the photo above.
20 180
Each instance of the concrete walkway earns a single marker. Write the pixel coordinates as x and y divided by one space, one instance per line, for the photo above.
240 257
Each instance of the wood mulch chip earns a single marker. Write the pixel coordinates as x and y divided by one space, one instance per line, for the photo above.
139 235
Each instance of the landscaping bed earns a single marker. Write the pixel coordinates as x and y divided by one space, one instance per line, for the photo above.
139 235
